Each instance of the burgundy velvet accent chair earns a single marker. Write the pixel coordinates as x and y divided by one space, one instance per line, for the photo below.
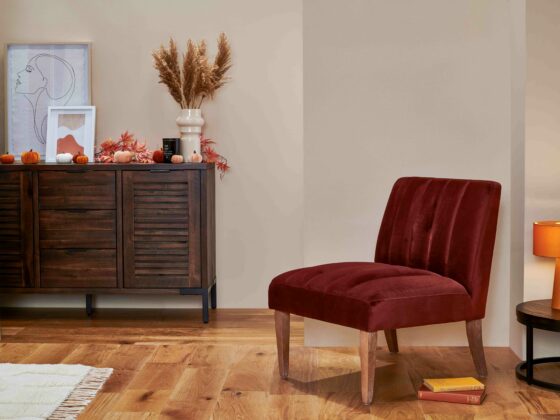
432 265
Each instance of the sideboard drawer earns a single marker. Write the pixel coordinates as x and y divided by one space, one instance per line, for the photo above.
77 229
74 189
89 268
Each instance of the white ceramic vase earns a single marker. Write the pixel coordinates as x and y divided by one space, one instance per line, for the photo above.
190 124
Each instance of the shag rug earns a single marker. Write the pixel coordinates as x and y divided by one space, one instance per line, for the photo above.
48 391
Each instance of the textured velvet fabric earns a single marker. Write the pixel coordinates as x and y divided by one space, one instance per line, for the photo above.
432 262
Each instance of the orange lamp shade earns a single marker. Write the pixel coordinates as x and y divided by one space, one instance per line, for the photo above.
546 243
546 238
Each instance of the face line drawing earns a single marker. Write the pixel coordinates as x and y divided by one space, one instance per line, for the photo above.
35 94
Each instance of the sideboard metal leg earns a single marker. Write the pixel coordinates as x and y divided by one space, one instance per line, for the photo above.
202 292
205 315
89 305
213 299
529 354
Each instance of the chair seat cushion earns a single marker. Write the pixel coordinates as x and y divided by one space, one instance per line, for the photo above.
369 296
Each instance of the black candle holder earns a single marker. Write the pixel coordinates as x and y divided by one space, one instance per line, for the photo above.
171 146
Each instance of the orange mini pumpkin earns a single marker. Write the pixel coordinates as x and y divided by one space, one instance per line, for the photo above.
7 158
30 157
80 159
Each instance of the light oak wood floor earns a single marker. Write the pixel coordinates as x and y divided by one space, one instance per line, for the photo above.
169 365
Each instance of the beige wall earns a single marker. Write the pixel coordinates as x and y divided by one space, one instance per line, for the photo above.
256 119
391 88
396 88
542 150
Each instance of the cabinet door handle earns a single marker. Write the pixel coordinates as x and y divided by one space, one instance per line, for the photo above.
77 210
160 170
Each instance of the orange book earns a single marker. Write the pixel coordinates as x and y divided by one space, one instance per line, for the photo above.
459 397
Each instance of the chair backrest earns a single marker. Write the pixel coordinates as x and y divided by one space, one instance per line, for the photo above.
447 226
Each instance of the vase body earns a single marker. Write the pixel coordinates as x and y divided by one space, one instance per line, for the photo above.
190 124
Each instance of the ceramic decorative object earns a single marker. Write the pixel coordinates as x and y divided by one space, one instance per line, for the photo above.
123 156
177 159
64 158
195 157
190 124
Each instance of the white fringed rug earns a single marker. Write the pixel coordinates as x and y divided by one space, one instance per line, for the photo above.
48 391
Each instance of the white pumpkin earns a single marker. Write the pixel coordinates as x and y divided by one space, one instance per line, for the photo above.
122 157
195 157
64 158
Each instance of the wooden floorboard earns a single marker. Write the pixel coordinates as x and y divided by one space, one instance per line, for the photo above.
167 364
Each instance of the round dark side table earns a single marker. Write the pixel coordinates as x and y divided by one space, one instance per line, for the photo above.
537 314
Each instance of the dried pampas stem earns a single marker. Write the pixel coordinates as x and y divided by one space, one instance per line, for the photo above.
197 79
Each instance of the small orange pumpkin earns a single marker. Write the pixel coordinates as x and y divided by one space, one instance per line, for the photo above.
30 157
177 159
158 156
7 158
80 159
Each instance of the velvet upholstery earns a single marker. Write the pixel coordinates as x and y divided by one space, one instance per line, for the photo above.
432 262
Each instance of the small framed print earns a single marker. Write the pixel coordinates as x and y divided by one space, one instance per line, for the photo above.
70 129
38 76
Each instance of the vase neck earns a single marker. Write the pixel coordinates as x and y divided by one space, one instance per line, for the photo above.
191 112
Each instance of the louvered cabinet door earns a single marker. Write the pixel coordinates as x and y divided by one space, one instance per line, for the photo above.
161 229
16 229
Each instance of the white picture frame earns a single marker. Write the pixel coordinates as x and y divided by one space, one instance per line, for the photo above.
70 129
39 75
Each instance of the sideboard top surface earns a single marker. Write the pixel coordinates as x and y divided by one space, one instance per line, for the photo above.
46 166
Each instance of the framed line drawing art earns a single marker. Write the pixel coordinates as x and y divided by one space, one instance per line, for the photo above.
39 76
70 129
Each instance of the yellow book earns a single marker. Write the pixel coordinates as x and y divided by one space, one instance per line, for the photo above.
453 384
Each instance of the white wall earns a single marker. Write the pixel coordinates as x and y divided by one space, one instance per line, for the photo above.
256 119
542 150
395 88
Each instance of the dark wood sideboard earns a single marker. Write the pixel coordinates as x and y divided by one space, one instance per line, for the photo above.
108 228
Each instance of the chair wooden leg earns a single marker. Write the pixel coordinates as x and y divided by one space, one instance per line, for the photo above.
392 343
474 334
282 322
368 342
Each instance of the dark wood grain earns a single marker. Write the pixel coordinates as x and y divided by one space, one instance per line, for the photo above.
100 228
76 189
118 189
78 268
539 314
161 211
16 230
49 166
78 229
208 228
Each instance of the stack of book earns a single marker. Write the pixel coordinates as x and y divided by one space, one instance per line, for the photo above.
453 390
